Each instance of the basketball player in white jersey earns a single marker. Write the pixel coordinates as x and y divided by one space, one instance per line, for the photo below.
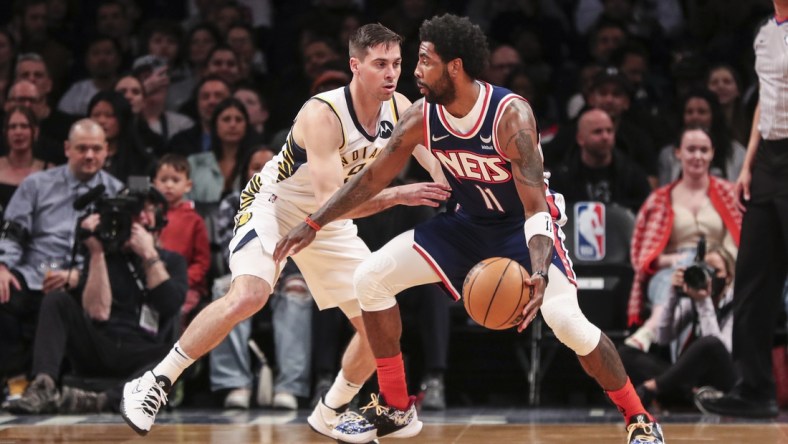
335 135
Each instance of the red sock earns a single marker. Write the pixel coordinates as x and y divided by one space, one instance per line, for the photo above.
391 379
627 401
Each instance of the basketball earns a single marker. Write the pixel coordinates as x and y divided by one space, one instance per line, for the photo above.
494 294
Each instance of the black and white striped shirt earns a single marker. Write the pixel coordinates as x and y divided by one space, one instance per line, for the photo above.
771 64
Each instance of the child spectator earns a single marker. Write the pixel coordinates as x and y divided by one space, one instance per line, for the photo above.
185 232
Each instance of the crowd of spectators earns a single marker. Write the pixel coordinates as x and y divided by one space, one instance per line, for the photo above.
191 93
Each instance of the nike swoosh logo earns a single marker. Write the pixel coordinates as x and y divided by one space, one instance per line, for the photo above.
437 139
136 389
177 350
487 139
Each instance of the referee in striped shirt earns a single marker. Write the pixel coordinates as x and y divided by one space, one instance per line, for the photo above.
762 261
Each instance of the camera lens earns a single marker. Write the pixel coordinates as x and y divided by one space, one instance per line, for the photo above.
696 277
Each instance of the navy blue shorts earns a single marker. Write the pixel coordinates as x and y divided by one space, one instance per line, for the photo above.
453 243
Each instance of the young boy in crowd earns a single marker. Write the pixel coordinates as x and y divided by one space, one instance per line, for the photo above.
185 232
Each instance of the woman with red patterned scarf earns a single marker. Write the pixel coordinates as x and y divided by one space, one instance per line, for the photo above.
669 225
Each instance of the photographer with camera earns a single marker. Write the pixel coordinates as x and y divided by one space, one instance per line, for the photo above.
669 225
697 322
39 226
127 312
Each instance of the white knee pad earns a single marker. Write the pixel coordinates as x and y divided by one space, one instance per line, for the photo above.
371 282
562 313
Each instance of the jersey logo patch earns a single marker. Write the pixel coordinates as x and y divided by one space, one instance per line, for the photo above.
438 139
386 128
472 166
486 140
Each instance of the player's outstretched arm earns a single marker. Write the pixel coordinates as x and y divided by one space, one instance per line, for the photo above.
362 187
519 138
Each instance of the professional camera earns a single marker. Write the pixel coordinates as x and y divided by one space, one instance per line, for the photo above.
698 275
117 213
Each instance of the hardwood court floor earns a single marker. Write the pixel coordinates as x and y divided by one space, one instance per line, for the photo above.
492 427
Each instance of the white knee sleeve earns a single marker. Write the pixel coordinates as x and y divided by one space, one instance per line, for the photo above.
562 313
373 289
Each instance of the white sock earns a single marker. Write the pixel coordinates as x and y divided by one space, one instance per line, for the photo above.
341 392
173 364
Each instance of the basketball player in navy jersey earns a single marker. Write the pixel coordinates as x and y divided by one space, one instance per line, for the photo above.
487 141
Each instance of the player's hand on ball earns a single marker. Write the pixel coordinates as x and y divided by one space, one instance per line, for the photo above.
296 240
531 309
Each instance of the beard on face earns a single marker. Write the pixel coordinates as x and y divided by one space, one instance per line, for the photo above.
443 92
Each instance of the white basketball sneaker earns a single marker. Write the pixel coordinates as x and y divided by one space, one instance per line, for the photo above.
324 418
142 399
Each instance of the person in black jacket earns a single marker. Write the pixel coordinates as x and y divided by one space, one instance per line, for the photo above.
119 326
598 171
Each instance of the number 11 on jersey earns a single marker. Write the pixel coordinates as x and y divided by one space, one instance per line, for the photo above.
489 199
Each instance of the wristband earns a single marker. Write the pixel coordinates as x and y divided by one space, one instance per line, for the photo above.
540 224
543 274
150 262
312 224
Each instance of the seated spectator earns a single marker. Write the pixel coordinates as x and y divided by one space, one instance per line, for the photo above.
25 94
257 108
185 232
725 83
242 39
697 324
612 93
20 131
669 225
40 223
113 19
118 326
224 63
209 92
585 84
54 123
125 154
231 368
155 81
700 108
503 60
599 171
199 42
102 60
216 173
132 89
162 39
33 36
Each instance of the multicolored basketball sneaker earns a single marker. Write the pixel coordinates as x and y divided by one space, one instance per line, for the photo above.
641 430
378 420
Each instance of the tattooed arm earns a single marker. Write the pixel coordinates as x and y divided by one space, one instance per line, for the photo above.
518 136
365 185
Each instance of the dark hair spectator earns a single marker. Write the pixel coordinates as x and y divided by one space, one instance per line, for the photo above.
199 42
126 156
20 131
700 108
163 38
216 172
725 82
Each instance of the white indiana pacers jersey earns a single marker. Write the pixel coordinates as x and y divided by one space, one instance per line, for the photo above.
287 174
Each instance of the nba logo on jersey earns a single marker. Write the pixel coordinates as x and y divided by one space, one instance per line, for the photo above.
590 231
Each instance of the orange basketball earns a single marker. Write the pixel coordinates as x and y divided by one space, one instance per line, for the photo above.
494 294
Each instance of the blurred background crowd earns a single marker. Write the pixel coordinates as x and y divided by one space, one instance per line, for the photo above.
645 107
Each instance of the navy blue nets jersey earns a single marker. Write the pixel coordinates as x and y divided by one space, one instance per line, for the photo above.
474 164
